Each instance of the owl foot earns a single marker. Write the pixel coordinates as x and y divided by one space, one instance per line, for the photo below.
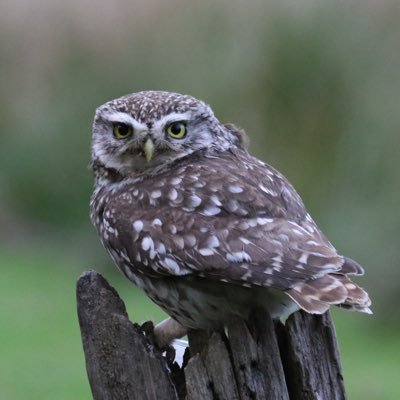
163 334
168 330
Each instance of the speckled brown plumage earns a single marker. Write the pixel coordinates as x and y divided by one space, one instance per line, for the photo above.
206 229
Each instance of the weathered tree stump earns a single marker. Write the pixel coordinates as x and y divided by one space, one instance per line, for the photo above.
255 359
121 363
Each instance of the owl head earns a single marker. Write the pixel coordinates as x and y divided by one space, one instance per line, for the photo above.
145 130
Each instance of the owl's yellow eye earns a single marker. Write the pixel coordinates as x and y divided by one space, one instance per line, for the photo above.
122 131
177 130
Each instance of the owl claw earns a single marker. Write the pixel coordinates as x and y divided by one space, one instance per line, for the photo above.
147 327
164 332
149 330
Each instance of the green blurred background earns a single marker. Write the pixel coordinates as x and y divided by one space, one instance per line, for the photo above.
315 84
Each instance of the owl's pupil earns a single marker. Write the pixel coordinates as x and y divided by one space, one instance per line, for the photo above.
123 130
176 129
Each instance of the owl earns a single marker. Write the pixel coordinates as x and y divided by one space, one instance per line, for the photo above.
208 231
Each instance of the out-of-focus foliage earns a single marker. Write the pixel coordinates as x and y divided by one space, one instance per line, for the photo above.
315 84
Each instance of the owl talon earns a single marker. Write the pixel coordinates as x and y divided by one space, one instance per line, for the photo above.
148 329
170 353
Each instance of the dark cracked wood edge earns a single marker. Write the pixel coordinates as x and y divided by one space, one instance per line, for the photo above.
256 357
121 363
311 358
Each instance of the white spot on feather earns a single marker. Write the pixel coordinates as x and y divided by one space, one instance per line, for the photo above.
210 211
155 194
206 252
160 248
156 222
277 263
303 259
277 266
245 241
309 228
235 189
264 221
252 222
152 254
138 226
176 181
171 265
212 241
238 256
215 200
277 259
173 194
243 225
276 243
147 243
195 201
350 286
266 190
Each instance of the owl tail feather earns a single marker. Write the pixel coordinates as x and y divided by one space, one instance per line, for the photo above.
317 295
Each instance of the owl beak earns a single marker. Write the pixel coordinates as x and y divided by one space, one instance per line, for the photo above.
148 149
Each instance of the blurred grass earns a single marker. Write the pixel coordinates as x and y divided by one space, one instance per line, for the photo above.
315 84
41 357
370 355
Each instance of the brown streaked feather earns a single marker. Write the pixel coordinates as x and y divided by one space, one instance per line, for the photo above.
317 295
352 267
357 297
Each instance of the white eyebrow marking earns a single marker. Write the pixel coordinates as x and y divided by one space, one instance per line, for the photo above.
170 118
124 118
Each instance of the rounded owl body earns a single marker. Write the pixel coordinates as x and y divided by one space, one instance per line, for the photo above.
206 229
167 241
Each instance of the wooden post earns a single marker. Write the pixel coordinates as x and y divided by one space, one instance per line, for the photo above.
121 363
255 359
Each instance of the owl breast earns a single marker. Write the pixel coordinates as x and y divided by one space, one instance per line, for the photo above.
199 304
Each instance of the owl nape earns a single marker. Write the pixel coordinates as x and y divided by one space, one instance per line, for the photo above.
208 231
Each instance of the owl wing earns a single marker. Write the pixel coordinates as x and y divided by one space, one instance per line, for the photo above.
256 251
245 225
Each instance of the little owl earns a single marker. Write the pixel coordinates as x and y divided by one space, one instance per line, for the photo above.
204 228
